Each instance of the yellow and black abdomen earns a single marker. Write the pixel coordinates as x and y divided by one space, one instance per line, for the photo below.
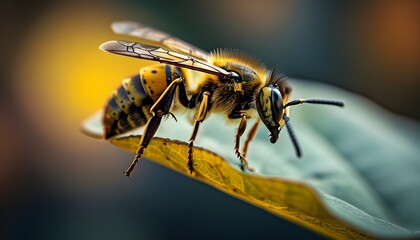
129 106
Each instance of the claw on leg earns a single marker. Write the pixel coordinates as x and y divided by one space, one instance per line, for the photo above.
134 162
190 163
201 115
244 162
241 130
250 137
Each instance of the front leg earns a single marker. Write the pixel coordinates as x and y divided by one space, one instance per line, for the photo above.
241 129
251 135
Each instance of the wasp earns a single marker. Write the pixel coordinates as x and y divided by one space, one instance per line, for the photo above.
225 81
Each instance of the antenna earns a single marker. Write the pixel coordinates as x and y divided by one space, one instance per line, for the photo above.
292 135
286 118
333 102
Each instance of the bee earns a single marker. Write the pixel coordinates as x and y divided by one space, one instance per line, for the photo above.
227 82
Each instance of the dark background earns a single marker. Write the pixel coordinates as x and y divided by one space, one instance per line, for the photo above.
57 183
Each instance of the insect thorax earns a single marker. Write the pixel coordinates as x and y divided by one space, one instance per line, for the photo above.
226 97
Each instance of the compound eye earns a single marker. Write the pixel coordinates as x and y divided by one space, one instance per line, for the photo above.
270 108
276 104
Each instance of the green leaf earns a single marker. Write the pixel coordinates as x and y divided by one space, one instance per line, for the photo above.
359 176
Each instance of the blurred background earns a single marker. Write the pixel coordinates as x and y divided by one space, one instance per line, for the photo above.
59 184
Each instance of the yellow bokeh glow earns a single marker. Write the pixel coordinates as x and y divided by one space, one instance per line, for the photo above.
62 75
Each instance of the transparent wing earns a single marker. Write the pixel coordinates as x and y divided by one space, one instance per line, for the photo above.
156 37
159 54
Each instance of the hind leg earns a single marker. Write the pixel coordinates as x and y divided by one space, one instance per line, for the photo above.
158 110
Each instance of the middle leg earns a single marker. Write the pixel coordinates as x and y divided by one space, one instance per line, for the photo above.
201 115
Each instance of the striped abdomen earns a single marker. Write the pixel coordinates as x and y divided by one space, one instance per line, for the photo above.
129 106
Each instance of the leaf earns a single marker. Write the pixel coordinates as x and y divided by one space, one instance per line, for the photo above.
336 189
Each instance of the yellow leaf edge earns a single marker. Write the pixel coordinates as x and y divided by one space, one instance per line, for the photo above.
291 200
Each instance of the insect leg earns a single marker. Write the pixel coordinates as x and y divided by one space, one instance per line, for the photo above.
158 110
240 132
250 137
183 99
201 115
149 131
165 100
